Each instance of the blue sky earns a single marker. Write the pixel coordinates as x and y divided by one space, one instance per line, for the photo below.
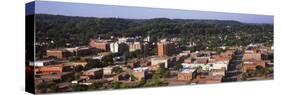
96 10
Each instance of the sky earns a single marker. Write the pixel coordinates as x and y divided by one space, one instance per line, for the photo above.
97 10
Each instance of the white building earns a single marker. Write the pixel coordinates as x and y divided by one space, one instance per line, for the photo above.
126 39
114 47
140 69
109 70
135 46
209 66
41 63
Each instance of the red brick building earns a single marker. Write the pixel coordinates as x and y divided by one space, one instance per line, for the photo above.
58 53
187 74
102 45
251 64
165 49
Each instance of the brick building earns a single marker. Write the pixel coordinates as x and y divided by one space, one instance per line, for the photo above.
165 49
186 74
99 44
95 73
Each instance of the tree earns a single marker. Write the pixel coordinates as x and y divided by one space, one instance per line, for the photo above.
77 87
95 86
42 87
178 66
115 85
117 70
133 78
78 68
260 70
160 73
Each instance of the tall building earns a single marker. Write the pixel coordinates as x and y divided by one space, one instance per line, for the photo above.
165 49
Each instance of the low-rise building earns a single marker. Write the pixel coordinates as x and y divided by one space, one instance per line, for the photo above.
48 69
133 46
58 53
166 60
57 76
118 47
207 67
251 54
140 72
68 52
99 44
217 72
75 64
250 65
109 70
186 74
95 73
41 63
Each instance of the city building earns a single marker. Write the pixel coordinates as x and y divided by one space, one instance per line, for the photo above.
75 64
95 73
41 63
207 67
157 66
126 39
68 52
251 64
165 49
217 72
250 54
186 74
133 46
48 69
99 44
159 60
118 47
58 53
57 76
109 70
80 51
140 72
133 63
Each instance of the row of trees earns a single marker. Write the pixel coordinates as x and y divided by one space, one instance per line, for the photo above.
209 33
